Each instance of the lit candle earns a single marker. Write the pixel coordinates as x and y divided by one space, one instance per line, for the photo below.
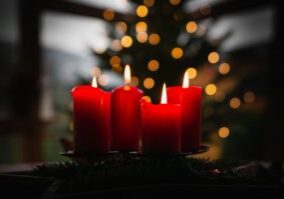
91 118
161 126
189 97
125 115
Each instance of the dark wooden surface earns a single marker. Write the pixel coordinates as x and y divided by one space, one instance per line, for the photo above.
23 185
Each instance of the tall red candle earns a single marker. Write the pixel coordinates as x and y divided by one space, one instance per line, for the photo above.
125 116
161 126
91 119
189 97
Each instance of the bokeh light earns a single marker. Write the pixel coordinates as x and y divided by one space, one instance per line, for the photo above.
121 27
126 41
103 80
213 57
174 2
142 11
201 30
149 83
191 27
96 71
210 89
148 3
224 132
224 68
192 73
118 68
114 60
249 97
235 103
141 26
142 37
108 14
134 81
177 53
153 65
116 45
154 39
147 98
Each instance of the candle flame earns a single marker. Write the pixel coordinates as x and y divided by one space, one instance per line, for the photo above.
127 75
164 94
185 83
94 82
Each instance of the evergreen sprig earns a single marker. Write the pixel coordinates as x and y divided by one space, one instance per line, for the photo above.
132 171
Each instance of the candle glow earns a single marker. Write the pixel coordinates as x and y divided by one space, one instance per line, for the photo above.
94 82
164 94
127 75
185 83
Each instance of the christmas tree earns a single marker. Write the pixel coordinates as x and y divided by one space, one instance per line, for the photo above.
162 41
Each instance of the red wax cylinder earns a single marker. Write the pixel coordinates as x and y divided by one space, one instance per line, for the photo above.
126 118
190 101
91 119
160 128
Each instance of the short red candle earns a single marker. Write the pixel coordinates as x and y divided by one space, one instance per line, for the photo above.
161 128
190 100
91 119
126 117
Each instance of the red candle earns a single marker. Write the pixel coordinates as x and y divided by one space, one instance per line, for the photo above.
125 116
161 126
91 118
190 99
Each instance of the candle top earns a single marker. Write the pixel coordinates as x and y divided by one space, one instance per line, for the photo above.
127 89
127 75
185 83
94 82
85 89
164 95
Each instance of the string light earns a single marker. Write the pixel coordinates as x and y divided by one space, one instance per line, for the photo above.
148 3
224 68
210 89
154 39
126 41
191 27
142 11
141 26
192 73
213 57
142 37
174 2
103 80
147 98
153 65
235 103
177 53
108 14
249 97
121 27
224 132
149 83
